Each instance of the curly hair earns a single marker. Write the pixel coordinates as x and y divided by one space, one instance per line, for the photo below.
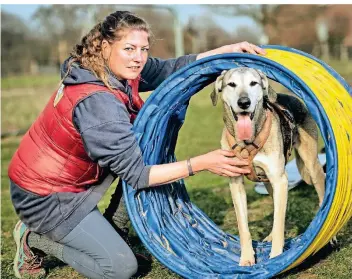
89 52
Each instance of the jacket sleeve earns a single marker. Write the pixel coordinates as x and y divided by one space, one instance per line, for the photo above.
156 70
104 125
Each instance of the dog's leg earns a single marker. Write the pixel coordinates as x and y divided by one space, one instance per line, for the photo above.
275 171
280 193
269 188
239 198
307 148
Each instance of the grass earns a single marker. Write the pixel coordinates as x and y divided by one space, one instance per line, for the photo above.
22 99
344 68
200 133
30 81
19 114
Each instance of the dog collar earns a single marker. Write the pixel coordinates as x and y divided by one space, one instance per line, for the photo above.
251 149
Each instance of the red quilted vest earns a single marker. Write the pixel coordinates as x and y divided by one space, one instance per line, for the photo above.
51 157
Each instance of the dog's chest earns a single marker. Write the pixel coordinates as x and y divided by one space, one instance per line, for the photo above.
262 163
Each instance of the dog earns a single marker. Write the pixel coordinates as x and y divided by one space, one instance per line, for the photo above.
262 126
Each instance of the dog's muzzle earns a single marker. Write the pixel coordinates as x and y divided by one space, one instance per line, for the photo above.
235 115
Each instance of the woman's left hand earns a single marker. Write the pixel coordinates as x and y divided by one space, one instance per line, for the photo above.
243 47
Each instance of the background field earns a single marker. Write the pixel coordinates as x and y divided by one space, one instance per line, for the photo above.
22 100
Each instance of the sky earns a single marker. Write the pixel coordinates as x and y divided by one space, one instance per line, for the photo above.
185 11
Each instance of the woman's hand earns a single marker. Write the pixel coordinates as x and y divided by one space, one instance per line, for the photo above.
243 47
220 162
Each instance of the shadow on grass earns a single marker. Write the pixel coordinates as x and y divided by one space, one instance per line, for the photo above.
302 207
344 239
212 202
51 262
313 260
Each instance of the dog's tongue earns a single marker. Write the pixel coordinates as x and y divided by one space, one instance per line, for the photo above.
244 127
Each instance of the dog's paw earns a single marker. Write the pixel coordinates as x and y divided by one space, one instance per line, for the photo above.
274 254
247 259
247 262
269 238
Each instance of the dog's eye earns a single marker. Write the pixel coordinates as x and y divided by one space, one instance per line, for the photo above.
232 84
253 83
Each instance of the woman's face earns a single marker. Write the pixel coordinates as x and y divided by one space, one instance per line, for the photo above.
127 57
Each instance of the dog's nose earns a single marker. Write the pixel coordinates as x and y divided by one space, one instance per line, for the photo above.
244 102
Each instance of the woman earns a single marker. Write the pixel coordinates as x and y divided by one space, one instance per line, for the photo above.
64 163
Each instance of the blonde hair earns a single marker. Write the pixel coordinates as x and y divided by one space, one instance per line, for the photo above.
89 52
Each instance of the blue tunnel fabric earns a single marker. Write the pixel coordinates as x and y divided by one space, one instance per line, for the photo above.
171 227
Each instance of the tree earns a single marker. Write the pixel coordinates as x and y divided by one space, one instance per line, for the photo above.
161 22
279 22
63 26
203 34
339 19
244 33
262 15
15 55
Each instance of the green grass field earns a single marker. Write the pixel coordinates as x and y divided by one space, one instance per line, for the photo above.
25 82
200 133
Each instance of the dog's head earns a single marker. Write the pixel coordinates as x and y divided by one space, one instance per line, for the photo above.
242 90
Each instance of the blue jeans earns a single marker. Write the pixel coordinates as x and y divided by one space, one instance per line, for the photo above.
97 251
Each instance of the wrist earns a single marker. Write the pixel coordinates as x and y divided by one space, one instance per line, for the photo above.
189 167
200 56
209 53
196 164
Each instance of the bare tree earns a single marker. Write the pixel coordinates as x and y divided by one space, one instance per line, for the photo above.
15 52
203 33
63 25
244 33
269 17
262 15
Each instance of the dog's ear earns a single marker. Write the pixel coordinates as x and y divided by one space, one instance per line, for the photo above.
267 89
217 88
272 95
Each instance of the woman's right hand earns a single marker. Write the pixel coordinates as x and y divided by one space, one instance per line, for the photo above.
220 162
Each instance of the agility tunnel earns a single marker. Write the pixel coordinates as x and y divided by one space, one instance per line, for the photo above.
176 231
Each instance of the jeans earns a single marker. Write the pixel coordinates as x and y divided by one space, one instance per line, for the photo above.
97 251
